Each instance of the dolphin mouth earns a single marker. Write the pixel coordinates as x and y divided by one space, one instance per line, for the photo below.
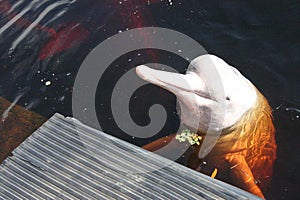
175 82
199 93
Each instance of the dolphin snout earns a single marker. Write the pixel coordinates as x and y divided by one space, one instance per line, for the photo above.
174 82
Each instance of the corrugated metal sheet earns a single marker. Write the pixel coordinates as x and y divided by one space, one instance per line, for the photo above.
53 163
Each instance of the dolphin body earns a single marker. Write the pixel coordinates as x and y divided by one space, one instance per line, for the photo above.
217 102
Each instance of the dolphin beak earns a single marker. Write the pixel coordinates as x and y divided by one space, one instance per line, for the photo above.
176 83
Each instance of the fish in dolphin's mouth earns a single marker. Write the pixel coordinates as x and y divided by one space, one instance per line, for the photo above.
214 97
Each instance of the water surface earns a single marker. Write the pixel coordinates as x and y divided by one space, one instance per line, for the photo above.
44 42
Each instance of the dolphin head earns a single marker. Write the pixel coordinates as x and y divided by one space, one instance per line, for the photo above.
212 95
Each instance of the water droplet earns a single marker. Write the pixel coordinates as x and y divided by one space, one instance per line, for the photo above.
61 98
47 83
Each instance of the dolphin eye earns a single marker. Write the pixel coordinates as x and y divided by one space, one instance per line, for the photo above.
227 98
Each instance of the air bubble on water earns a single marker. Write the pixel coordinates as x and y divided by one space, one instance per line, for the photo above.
47 83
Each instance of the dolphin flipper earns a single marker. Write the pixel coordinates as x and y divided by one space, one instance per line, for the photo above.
160 143
241 174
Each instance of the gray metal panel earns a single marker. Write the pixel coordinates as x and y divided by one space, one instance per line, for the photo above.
53 163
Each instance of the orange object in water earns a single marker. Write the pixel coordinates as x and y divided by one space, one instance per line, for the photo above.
214 174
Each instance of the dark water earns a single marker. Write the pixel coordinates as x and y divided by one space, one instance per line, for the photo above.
38 64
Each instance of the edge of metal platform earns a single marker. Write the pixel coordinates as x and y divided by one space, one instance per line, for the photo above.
57 161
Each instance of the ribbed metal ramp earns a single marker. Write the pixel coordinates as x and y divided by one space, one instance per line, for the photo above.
58 162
